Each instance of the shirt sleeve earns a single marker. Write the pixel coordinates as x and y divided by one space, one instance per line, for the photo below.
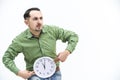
67 36
9 56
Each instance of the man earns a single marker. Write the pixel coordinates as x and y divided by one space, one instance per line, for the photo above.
37 41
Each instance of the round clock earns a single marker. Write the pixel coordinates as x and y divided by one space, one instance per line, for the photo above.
44 67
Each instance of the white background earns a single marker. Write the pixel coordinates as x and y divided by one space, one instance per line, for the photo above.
97 22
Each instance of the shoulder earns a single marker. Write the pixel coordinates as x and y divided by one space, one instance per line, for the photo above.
22 35
51 27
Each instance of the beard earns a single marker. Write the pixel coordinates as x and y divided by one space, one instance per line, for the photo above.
38 28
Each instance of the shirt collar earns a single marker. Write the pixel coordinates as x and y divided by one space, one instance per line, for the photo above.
30 35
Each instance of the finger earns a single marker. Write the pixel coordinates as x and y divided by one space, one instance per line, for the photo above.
31 73
56 59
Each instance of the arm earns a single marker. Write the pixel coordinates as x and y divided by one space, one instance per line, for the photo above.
62 56
66 36
9 56
8 59
25 74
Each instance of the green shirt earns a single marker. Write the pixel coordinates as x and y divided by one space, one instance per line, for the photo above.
33 48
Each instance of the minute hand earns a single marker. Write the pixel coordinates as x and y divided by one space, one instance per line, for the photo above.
44 64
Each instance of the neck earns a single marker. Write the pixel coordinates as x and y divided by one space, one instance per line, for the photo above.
36 33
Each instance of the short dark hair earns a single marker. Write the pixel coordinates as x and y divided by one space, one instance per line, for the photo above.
26 14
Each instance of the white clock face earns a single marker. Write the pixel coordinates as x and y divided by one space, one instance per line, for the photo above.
44 67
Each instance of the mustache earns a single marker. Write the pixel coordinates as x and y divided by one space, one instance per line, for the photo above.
39 24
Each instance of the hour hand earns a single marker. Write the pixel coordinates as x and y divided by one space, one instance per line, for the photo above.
43 65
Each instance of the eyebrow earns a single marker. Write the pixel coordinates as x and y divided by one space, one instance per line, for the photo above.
38 17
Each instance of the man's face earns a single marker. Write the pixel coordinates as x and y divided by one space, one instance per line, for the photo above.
35 21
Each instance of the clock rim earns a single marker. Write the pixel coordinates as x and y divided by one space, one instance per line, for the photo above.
38 73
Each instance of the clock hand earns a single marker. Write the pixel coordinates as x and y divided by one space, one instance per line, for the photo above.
44 64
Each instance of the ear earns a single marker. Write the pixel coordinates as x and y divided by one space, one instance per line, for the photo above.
26 22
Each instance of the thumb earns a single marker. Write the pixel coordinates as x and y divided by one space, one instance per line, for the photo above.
56 59
32 72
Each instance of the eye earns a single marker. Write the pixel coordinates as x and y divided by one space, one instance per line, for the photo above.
35 18
41 18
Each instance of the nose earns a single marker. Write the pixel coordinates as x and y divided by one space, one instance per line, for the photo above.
40 20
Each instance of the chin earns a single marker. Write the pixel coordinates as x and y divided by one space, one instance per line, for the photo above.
38 30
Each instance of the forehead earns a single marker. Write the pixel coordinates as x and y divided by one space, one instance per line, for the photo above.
35 13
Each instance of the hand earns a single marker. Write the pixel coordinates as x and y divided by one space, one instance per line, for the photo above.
63 55
25 74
